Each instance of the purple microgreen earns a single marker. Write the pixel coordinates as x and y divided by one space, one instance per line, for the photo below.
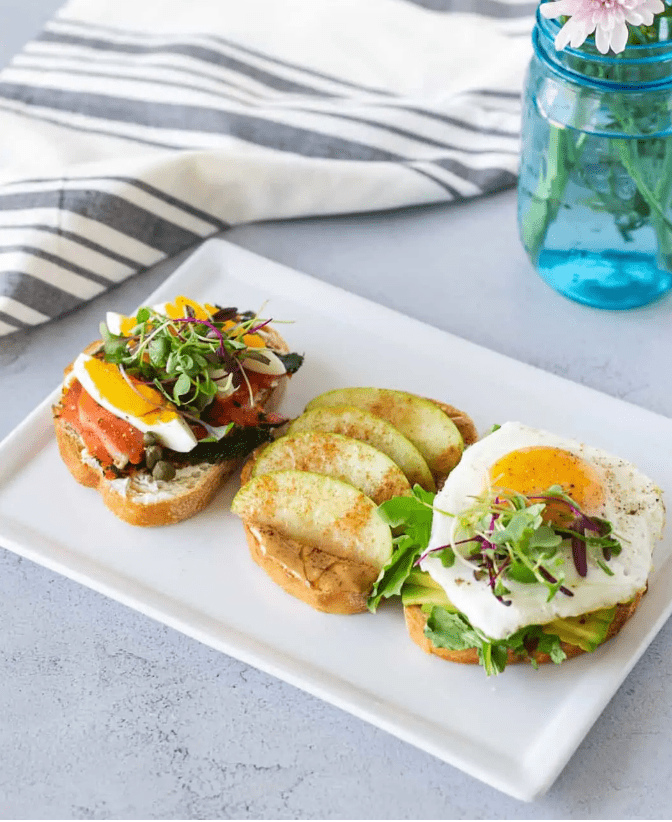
259 326
579 556
440 548
550 578
224 314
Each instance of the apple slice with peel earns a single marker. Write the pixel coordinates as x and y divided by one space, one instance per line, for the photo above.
363 425
344 458
420 420
319 511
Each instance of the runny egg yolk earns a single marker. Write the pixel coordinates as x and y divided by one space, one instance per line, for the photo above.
533 470
136 400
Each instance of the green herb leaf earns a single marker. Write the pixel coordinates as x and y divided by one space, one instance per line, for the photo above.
181 387
519 572
454 631
292 362
159 348
413 515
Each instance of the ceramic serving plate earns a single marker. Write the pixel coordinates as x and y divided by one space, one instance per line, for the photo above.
197 576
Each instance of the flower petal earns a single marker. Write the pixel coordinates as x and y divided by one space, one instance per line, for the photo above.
558 8
602 39
619 38
580 31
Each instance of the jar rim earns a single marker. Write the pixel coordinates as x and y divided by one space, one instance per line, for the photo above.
561 61
551 27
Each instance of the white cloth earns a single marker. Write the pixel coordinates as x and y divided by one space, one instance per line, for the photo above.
130 130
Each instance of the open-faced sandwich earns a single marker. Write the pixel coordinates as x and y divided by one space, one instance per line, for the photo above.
536 549
309 501
160 411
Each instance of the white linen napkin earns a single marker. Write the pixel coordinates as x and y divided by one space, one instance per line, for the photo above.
130 131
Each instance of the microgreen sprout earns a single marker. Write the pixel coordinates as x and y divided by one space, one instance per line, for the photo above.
511 540
179 355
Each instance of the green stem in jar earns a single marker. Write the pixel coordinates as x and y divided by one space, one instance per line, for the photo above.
656 200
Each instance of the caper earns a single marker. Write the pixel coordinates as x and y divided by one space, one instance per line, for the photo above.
149 438
163 471
153 454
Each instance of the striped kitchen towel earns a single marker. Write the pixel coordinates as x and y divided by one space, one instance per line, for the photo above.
133 130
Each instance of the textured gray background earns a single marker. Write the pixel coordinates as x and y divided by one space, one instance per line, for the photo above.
106 714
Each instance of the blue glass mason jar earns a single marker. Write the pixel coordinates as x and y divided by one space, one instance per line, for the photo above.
595 183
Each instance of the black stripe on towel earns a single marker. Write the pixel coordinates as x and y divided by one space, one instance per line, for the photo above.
36 294
487 179
72 126
114 211
83 241
59 261
217 43
206 55
252 129
487 8
164 196
10 320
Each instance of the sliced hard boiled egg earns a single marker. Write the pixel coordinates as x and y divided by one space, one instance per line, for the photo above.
119 324
122 325
272 364
177 309
140 405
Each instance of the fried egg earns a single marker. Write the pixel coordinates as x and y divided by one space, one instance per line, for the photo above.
529 461
140 405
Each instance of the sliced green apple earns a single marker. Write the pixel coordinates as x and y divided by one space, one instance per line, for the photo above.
363 425
319 511
420 420
344 458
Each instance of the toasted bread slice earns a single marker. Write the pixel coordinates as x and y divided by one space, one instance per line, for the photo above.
312 573
139 499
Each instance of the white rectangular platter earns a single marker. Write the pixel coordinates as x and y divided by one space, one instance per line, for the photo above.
198 577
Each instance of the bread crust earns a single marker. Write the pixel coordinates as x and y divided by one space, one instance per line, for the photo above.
134 507
326 582
416 620
463 422
139 500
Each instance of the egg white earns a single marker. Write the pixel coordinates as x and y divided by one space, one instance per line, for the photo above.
113 322
172 432
633 504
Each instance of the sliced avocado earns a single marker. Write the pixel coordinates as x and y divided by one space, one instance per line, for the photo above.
421 589
588 631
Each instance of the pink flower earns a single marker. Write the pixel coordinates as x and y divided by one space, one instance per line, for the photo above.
607 18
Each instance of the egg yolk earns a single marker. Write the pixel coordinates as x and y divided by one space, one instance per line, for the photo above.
126 325
173 311
250 340
533 470
201 312
137 400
